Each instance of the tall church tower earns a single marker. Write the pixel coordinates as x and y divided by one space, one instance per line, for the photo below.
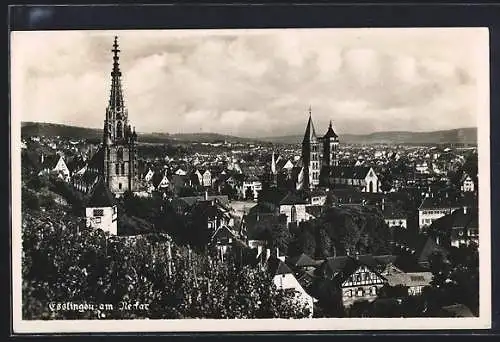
119 140
310 156
330 147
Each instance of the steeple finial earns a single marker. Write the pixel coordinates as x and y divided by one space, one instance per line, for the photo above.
330 126
310 110
116 58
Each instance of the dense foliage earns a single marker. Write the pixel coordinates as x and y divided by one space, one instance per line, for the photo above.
342 230
64 262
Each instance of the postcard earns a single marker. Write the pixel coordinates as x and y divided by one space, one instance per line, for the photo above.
250 180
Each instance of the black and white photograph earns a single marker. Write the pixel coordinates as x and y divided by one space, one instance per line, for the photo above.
250 179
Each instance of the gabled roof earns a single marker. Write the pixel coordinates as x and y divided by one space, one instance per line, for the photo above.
314 210
223 232
438 203
50 161
348 264
293 198
97 160
223 199
280 164
302 260
101 196
391 211
76 163
278 267
310 134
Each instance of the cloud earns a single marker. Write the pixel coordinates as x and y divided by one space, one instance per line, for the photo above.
254 84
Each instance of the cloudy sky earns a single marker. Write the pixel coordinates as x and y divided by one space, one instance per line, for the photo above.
255 82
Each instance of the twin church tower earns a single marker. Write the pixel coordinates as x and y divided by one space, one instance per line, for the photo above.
319 155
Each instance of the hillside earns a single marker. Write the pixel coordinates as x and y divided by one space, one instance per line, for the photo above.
453 136
50 129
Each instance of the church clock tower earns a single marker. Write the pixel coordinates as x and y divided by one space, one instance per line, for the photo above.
119 140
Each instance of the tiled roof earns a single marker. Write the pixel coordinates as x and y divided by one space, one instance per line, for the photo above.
349 172
314 210
409 279
278 267
50 161
97 160
193 199
302 260
293 198
438 203
101 196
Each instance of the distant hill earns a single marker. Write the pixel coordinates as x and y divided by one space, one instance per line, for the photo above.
209 137
52 130
452 136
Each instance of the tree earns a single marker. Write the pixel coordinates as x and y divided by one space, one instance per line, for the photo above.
64 264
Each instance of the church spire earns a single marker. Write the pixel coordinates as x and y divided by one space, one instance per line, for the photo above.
310 134
116 96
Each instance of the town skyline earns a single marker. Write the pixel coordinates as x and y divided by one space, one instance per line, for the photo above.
365 81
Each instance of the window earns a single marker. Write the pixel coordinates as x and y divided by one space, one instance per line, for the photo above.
119 130
348 293
293 214
97 220
119 153
120 186
360 292
373 291
98 212
123 169
117 169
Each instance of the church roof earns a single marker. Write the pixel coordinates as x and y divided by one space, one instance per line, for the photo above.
330 133
350 172
310 134
101 196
